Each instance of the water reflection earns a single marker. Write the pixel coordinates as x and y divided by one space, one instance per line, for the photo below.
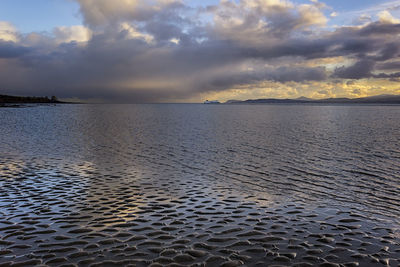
343 154
142 184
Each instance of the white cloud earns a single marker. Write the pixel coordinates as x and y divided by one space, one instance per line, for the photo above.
261 21
69 34
101 12
175 40
386 17
8 32
133 33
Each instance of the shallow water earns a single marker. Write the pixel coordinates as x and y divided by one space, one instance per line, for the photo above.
200 184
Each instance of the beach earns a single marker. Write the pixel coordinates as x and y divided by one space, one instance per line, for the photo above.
195 185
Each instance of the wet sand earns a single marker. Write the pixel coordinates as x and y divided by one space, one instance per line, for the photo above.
79 216
199 185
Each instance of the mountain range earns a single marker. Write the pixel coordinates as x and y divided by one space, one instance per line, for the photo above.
378 99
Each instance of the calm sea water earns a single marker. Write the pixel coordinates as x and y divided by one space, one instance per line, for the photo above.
338 155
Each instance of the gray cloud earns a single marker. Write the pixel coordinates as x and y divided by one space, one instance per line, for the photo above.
104 12
388 75
378 28
361 69
160 50
392 65
12 50
290 74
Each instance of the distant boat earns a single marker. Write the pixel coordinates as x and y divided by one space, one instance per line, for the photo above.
212 102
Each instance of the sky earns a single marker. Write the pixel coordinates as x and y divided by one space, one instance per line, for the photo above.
191 50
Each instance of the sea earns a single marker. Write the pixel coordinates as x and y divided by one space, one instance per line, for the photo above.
72 171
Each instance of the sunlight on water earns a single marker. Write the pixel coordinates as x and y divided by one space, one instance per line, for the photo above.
198 183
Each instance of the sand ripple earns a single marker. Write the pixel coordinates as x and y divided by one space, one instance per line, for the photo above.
195 185
63 220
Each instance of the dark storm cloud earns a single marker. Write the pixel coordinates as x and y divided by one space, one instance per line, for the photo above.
381 38
393 65
361 69
170 53
387 75
11 50
388 51
378 28
228 79
288 74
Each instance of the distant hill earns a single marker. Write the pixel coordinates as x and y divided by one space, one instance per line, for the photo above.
8 99
379 99
231 101
304 98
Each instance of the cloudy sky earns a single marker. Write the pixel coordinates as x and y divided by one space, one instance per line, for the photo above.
189 50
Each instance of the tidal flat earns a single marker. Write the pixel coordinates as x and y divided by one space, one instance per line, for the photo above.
200 185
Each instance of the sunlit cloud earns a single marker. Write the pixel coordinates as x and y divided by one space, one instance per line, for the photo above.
8 32
386 17
165 50
76 33
133 33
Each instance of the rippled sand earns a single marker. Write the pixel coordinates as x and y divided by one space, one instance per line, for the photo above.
77 216
200 185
